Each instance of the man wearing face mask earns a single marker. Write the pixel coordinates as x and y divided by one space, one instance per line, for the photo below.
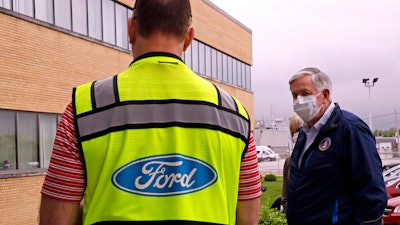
335 169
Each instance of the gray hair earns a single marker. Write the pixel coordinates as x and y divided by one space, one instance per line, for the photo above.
320 80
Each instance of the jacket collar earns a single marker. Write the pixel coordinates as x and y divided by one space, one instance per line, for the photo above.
333 120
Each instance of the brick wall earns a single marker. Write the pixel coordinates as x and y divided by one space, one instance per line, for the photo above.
19 200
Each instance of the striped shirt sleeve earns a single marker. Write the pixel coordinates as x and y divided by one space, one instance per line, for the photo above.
250 181
65 178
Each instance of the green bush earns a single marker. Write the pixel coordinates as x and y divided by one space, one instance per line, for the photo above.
274 190
270 177
270 216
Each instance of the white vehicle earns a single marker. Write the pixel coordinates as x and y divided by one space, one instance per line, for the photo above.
265 153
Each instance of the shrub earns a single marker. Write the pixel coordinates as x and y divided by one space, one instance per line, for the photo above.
270 216
270 177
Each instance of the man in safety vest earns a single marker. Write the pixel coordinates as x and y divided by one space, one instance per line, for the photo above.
155 144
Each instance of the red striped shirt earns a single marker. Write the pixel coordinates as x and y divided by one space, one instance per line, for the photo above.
65 178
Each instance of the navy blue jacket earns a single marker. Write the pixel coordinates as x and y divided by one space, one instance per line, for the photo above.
340 178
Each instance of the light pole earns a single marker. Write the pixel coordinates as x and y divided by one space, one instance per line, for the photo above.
369 83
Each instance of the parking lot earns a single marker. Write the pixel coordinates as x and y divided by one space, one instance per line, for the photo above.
276 167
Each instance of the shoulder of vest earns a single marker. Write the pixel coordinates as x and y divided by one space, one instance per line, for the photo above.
95 94
230 103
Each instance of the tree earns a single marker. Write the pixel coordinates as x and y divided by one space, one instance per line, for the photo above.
385 133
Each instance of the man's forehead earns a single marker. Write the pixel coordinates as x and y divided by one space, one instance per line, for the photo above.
302 83
302 89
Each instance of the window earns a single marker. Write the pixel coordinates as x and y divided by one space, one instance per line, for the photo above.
230 70
44 10
79 17
202 59
94 19
47 133
242 73
26 139
208 63
7 140
195 56
219 66
188 56
5 4
23 6
121 22
130 12
214 63
108 21
247 79
225 68
235 72
62 13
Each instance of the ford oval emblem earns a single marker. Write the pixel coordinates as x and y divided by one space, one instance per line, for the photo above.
164 175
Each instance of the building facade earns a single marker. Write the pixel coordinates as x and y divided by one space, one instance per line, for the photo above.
49 46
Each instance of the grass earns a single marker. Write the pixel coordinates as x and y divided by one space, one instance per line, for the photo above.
274 190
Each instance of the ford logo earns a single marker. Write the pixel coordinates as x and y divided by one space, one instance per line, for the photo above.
164 175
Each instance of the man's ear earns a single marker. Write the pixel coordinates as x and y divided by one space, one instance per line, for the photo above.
327 94
131 30
189 38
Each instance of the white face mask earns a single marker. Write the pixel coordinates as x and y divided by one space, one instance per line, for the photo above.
306 107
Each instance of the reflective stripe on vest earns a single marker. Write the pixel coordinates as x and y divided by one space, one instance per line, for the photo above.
136 116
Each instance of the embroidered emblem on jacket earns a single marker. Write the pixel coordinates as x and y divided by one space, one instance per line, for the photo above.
325 144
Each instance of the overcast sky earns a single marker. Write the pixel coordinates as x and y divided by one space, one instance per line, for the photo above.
348 39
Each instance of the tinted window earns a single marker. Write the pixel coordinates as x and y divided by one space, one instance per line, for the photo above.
23 6
62 13
195 56
44 10
121 25
94 19
7 140
108 21
79 16
27 125
5 4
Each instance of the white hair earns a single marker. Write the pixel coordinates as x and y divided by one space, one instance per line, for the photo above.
320 80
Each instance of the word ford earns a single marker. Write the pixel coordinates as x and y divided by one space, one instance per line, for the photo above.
161 179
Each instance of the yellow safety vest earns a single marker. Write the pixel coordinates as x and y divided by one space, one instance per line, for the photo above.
160 143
